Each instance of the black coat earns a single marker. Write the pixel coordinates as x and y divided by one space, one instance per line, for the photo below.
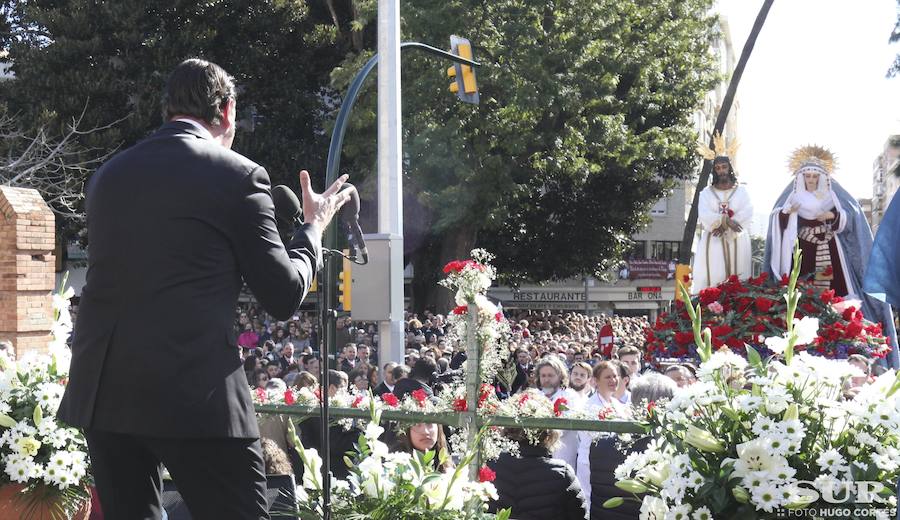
408 385
537 487
177 223
605 457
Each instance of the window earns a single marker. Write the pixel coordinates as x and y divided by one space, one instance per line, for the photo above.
665 250
637 251
661 208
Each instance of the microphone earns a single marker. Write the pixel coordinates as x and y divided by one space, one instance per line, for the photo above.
287 211
350 216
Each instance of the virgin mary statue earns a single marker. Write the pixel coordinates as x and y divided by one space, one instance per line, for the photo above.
835 237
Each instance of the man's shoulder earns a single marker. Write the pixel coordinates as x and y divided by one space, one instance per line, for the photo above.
176 135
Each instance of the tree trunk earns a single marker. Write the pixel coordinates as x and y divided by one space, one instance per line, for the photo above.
690 227
428 263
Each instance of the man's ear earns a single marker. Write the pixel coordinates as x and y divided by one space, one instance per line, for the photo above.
229 117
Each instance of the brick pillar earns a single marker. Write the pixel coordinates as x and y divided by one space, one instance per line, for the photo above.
27 269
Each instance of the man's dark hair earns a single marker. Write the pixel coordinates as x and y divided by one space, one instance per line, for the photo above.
198 88
399 372
424 369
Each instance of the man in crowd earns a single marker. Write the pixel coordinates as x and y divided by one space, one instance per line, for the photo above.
311 364
420 378
387 384
679 374
176 223
553 378
523 370
286 359
348 360
580 380
631 358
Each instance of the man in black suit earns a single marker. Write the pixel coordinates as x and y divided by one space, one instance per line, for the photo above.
175 223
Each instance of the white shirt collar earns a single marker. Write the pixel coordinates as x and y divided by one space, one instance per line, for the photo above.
196 125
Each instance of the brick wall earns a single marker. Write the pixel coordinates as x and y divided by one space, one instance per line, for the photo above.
27 269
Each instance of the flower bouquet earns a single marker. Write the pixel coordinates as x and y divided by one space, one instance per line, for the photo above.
46 459
384 485
740 313
769 438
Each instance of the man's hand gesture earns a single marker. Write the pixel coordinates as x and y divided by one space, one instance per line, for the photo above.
319 209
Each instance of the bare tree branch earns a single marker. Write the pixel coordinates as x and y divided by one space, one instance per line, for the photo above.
55 166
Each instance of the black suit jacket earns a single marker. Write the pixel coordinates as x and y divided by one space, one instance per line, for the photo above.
175 223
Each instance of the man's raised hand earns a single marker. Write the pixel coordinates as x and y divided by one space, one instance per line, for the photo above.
319 208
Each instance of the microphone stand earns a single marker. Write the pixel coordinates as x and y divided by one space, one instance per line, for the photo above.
327 317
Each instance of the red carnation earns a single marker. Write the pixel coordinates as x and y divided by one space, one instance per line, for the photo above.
828 271
809 308
453 266
854 329
759 280
710 295
560 406
852 314
358 399
486 391
288 396
759 327
420 396
460 405
461 309
261 394
827 296
721 330
390 399
734 342
651 405
486 474
498 316
763 304
785 281
684 338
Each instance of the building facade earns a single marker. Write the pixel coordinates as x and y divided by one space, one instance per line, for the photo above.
885 179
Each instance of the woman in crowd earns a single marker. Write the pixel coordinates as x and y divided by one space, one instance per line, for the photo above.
605 455
422 438
606 382
534 485
306 380
359 381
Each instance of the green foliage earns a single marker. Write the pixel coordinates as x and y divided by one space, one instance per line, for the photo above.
585 117
114 58
584 121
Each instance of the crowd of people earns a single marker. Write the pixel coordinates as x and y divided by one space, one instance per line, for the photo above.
559 354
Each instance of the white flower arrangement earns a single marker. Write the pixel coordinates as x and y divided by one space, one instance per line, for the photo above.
404 484
35 450
757 449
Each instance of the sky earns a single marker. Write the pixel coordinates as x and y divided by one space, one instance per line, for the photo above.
816 76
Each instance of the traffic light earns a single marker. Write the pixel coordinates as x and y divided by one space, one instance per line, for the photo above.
682 277
465 86
345 280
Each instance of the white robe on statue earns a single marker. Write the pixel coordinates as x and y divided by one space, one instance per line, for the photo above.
717 258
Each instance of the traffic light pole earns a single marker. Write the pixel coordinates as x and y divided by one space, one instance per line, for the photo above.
390 207
390 203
